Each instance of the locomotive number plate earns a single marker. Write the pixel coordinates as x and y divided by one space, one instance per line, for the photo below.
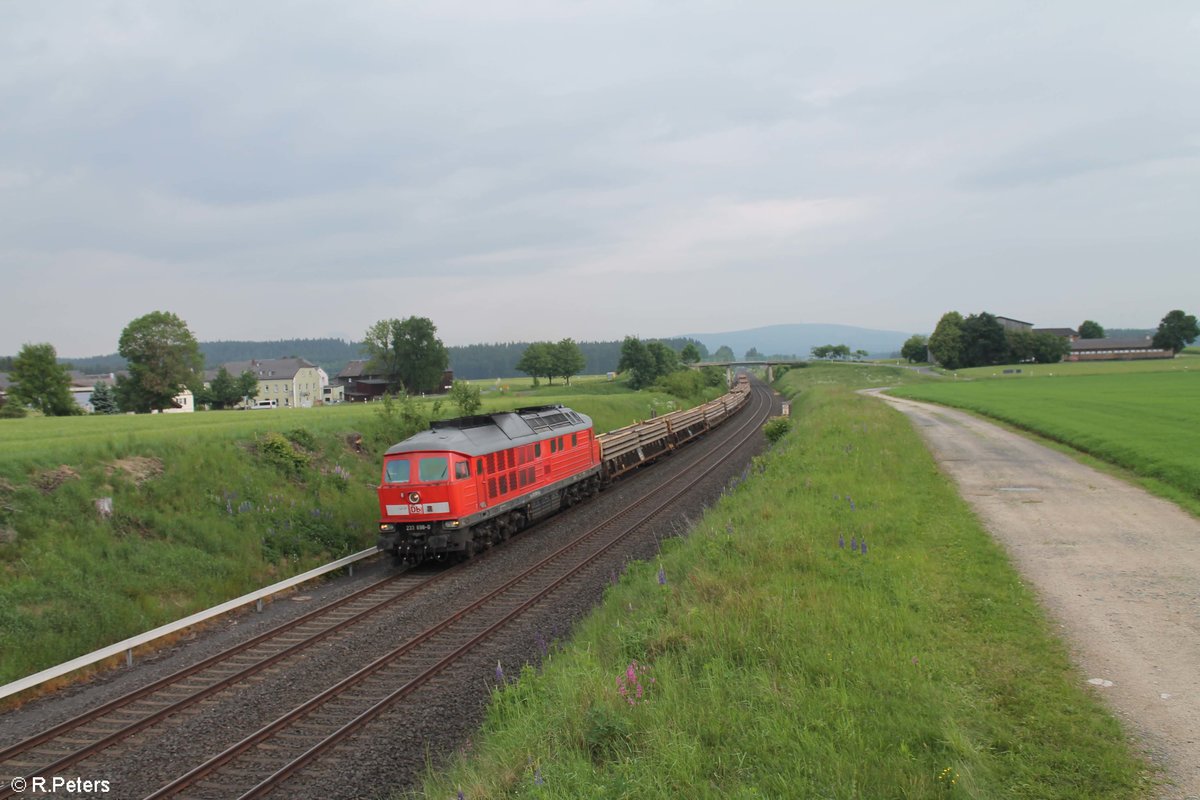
423 527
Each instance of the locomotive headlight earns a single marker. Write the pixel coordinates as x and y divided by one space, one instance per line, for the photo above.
452 523
386 527
414 497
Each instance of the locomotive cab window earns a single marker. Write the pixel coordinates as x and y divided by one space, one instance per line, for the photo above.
398 471
462 469
434 468
537 450
574 439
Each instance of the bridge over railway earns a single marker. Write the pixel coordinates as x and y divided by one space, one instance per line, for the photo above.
770 365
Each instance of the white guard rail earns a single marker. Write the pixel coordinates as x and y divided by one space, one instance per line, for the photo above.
127 646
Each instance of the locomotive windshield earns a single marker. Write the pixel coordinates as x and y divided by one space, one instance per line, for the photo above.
398 470
434 468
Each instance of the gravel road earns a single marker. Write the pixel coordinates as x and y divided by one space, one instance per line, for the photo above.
1117 568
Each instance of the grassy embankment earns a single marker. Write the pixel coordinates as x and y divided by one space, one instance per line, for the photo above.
774 663
207 506
1141 421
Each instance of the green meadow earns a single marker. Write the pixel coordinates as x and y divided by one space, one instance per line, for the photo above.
1145 422
769 655
205 507
1185 362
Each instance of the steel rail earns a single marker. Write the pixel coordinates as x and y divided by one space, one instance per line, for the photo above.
127 645
25 746
200 772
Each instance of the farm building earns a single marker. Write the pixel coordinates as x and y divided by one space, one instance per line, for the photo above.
360 384
1116 350
1010 324
290 382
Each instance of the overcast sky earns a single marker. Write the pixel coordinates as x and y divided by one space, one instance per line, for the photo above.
534 170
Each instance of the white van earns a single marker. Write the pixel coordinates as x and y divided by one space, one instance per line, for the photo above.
272 403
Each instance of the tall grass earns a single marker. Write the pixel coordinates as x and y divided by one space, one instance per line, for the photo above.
775 660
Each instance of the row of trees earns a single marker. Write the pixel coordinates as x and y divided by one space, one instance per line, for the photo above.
646 362
980 340
550 360
837 352
162 357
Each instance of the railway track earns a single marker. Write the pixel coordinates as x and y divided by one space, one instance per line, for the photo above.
262 761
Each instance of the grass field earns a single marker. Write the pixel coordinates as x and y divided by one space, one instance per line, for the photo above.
1145 422
206 507
1186 362
775 663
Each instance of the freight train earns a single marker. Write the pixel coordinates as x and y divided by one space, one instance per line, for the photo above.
472 482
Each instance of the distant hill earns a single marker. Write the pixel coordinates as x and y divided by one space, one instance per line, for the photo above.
798 339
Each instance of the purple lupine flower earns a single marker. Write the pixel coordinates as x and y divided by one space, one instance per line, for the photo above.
662 576
612 578
541 642
863 547
841 542
854 544
837 497
499 673
461 796
851 505
537 776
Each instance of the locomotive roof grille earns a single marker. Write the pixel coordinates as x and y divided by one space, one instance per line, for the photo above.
486 433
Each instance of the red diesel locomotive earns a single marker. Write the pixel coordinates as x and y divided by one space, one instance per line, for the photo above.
471 482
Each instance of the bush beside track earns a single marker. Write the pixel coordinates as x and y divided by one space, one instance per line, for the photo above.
773 663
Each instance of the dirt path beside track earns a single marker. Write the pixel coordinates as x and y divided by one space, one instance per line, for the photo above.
1117 568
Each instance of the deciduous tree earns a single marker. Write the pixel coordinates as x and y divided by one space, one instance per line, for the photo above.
724 353
984 342
916 348
666 360
1091 330
1176 331
163 358
567 359
638 361
690 354
946 343
407 352
38 380
537 361
466 397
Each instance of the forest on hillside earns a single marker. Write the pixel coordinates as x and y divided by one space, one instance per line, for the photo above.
469 362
